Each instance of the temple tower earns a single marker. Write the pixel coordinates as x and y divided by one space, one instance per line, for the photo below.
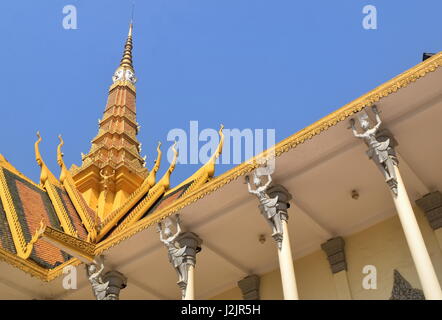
114 168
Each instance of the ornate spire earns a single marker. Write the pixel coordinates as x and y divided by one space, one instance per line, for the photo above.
125 71
126 61
114 168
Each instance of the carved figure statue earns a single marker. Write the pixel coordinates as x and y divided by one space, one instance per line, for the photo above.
118 75
176 253
268 206
95 278
379 148
106 179
130 76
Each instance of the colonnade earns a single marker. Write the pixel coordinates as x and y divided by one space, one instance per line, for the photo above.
274 202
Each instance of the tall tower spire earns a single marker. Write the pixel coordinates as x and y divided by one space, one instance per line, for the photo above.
126 61
125 70
114 168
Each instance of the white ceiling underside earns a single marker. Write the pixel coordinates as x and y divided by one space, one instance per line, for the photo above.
320 174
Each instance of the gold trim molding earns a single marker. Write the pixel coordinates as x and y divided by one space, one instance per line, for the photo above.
77 248
33 269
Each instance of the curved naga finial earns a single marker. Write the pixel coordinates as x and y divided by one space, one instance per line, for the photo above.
60 160
151 179
37 151
210 165
30 245
175 157
165 180
59 153
45 173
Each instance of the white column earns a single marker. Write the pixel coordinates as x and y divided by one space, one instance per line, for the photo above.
190 288
419 253
286 266
385 159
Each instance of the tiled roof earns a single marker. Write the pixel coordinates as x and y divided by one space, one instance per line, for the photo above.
48 226
33 205
168 199
6 241
72 213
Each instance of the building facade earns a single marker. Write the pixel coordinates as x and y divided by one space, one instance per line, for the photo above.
348 208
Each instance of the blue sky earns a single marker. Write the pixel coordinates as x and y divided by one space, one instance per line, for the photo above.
279 64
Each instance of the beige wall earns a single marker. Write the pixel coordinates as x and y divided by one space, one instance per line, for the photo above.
382 245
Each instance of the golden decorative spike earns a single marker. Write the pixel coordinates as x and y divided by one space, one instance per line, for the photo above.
165 180
151 179
126 60
37 151
59 153
221 143
175 157
60 160
40 162
27 252
211 163
45 173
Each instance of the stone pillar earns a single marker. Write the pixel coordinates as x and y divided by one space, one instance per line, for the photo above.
250 287
424 266
381 145
189 289
334 249
191 244
282 239
117 281
431 205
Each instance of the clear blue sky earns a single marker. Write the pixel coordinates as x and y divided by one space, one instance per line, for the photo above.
245 63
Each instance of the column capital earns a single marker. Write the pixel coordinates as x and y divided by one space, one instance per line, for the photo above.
431 204
250 287
334 249
192 244
284 196
117 281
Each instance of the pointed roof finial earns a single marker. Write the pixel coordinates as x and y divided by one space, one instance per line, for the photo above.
130 30
126 61
133 10
131 20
